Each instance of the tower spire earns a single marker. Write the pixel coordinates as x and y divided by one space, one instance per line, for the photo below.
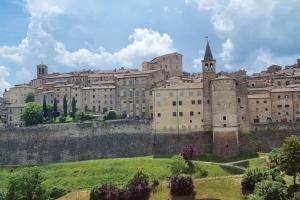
208 55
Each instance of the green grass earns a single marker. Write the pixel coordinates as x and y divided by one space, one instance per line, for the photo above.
86 174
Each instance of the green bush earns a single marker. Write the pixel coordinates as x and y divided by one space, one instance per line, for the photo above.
274 157
178 165
82 116
110 115
199 172
271 190
57 192
62 119
32 114
26 185
253 176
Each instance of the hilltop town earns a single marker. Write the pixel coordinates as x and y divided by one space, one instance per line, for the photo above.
223 103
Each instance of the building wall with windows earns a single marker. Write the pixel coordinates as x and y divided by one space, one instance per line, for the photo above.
14 112
260 108
282 105
178 108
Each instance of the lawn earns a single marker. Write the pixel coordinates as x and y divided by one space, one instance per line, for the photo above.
86 174
227 188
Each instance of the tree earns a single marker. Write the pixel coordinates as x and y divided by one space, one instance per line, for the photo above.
65 106
74 109
30 97
55 112
290 157
26 185
182 186
45 109
274 157
32 114
271 190
110 115
178 165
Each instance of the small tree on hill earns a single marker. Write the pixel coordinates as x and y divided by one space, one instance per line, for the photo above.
29 97
290 157
32 114
65 106
74 109
45 109
26 185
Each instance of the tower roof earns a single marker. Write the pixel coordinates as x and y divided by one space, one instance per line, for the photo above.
208 55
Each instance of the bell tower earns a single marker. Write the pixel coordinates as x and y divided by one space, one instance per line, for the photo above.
208 74
41 70
208 63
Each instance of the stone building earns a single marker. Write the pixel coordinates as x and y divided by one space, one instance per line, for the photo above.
178 108
131 92
171 63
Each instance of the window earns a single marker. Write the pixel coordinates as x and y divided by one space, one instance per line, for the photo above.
199 113
180 114
174 103
193 102
199 101
239 100
287 113
191 121
287 106
224 117
287 83
279 106
278 96
266 109
180 103
199 93
171 94
191 113
208 102
158 114
174 114
224 125
257 101
265 101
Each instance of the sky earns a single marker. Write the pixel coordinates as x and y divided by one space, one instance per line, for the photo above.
71 35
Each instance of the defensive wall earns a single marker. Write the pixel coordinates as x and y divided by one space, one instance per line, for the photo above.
92 140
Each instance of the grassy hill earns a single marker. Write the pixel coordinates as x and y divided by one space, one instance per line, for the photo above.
86 174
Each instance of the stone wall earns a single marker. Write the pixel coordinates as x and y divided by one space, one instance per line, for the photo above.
265 137
82 141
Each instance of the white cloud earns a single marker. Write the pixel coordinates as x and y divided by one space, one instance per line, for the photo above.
227 48
250 26
3 76
40 45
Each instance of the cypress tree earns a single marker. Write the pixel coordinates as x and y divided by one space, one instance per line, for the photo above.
65 106
73 107
55 108
45 110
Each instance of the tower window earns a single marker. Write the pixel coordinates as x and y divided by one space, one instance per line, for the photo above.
224 117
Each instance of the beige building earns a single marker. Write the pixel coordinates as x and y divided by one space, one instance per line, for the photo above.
131 93
178 108
260 107
99 99
14 112
18 94
171 63
282 105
